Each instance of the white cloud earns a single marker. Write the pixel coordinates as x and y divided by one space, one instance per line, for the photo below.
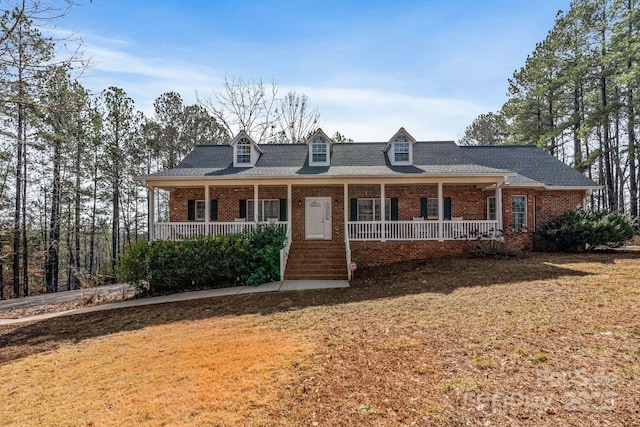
359 113
375 115
143 78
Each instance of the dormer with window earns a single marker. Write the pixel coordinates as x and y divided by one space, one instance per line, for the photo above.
319 149
400 148
245 151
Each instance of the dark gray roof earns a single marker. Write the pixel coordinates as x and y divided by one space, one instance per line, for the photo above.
442 158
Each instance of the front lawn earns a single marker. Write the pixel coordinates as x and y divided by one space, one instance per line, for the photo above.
551 339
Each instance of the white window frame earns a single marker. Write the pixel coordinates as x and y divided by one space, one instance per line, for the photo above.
261 210
375 209
433 201
243 152
199 210
492 214
519 225
319 147
402 150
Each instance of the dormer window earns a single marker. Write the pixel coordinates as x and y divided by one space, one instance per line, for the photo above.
243 152
399 149
319 150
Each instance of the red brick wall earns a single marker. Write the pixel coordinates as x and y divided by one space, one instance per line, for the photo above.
467 201
380 253
228 200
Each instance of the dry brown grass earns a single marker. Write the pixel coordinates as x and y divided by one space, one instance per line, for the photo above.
217 371
547 340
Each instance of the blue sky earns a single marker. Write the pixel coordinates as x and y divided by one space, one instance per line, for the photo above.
370 66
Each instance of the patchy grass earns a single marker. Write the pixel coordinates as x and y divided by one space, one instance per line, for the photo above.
551 340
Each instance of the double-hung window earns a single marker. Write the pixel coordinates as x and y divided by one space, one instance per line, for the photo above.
491 208
243 152
369 209
199 210
519 212
401 151
432 208
267 209
319 150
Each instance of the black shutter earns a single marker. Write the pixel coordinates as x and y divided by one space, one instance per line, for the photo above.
191 210
423 207
353 215
213 215
447 208
243 209
394 209
283 210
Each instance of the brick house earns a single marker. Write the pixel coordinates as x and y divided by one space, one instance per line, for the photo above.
371 203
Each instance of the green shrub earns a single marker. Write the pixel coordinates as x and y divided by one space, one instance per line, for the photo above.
134 264
579 230
248 258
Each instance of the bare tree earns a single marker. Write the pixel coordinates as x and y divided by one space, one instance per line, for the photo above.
297 120
244 105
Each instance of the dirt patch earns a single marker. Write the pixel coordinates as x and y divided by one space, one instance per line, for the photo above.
548 340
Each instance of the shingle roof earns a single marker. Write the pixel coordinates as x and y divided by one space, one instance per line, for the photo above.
531 165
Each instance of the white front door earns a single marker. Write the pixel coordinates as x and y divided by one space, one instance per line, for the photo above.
318 218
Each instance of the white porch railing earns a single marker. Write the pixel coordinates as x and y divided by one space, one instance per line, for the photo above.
347 247
186 230
422 230
284 253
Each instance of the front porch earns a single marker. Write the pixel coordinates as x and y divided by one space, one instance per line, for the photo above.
354 212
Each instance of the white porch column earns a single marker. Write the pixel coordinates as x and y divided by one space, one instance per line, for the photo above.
289 209
151 192
382 213
255 202
346 211
440 213
207 208
499 213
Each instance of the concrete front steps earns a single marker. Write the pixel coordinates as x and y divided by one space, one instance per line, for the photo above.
316 260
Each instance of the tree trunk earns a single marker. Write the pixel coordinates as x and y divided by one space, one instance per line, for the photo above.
53 254
25 247
92 238
17 220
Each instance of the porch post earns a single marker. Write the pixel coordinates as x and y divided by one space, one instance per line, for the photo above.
382 213
289 209
499 213
207 208
255 203
152 211
346 210
440 213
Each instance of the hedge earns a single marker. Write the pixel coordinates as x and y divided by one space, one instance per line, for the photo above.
247 258
579 230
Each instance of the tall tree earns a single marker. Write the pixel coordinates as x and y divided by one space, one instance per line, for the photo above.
25 55
486 129
121 126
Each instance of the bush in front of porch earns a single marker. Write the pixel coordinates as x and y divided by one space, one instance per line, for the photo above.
247 258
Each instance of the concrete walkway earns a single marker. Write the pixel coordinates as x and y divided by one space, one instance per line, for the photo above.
284 286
